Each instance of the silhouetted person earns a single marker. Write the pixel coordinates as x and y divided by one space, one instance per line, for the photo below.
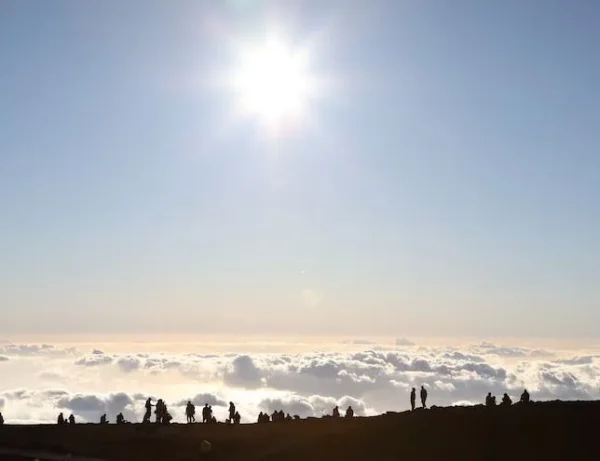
349 412
205 413
159 411
190 411
296 417
148 413
274 416
506 400
121 419
231 411
336 412
71 419
260 418
103 419
288 417
423 396
1 419
525 396
166 415
490 400
413 399
236 418
61 419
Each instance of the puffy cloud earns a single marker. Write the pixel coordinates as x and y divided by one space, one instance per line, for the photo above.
93 360
89 407
295 405
311 406
583 360
34 350
243 373
401 342
491 349
162 363
202 399
308 383
456 355
128 364
82 404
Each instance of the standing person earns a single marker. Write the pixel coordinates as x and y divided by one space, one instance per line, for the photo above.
1 420
148 413
160 411
190 411
231 412
413 399
423 396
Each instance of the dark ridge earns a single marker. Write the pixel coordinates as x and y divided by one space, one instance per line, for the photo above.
536 431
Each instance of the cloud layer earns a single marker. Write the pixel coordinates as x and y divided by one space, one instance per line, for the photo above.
39 381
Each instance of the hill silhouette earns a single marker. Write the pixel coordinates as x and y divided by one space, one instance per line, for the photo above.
538 431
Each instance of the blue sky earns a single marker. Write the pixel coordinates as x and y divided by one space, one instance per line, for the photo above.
449 185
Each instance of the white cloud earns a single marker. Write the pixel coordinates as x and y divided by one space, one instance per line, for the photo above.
312 406
203 399
128 364
94 360
242 372
40 381
34 350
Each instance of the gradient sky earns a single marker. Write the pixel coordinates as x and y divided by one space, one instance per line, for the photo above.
449 183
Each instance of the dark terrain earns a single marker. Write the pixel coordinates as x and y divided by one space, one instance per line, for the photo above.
538 431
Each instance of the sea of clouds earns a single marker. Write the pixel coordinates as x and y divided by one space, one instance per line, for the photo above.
41 380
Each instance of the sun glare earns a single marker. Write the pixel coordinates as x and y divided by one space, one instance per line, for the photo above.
273 83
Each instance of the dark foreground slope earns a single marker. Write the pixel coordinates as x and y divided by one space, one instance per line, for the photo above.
542 431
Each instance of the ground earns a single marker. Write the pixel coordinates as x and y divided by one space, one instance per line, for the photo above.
538 431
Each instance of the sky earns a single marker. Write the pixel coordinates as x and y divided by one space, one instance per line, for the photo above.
443 179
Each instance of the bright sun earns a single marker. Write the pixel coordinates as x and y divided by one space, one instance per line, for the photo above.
273 83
